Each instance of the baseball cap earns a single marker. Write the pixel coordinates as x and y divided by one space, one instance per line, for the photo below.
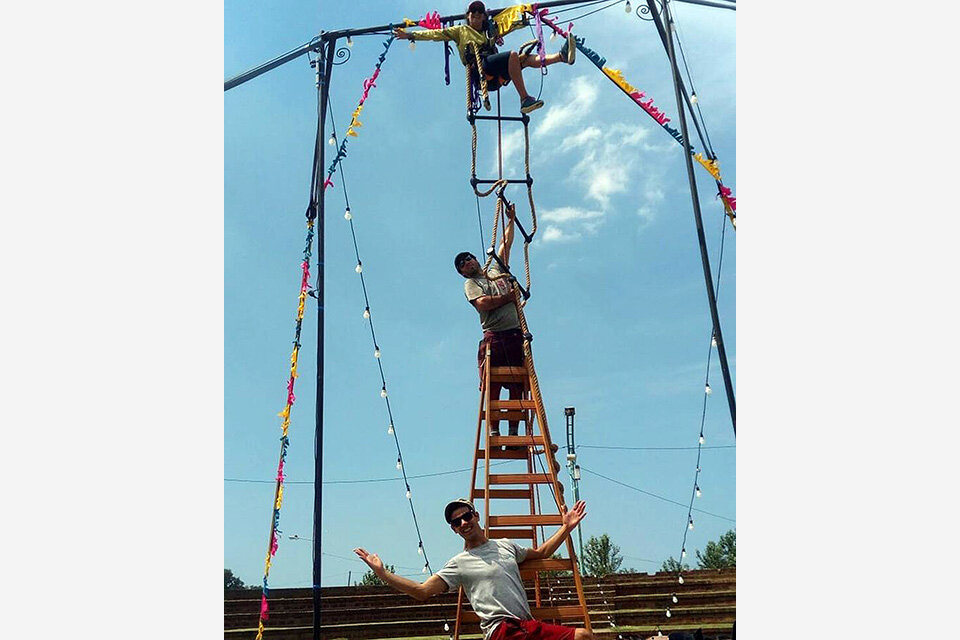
476 6
454 505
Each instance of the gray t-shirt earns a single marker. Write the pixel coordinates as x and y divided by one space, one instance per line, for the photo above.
491 579
499 319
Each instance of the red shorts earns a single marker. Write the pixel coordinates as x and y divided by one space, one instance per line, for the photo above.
513 629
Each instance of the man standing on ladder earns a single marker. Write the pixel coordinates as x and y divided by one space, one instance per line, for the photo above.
489 573
491 293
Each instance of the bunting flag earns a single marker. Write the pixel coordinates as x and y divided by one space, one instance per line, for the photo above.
712 166
505 19
275 532
368 84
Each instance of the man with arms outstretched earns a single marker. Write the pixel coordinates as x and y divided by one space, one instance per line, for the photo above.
488 571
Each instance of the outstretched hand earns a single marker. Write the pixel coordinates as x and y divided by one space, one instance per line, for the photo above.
573 517
373 560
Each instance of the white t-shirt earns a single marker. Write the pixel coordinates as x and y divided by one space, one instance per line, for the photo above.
491 579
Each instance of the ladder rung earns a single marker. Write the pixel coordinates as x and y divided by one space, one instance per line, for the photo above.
530 519
503 494
508 118
520 478
507 181
508 415
570 612
516 441
508 374
525 403
522 534
498 454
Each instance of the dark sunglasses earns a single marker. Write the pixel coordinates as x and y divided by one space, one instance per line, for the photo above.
465 518
465 260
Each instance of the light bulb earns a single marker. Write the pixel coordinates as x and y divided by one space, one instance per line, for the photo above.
424 570
680 579
347 215
693 99
376 352
413 45
366 313
627 7
446 627
383 392
359 267
668 612
408 494
399 464
713 340
333 139
349 41
698 491
707 389
690 526
683 553
420 549
390 429
674 598
701 438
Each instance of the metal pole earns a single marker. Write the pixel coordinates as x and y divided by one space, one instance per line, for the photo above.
573 467
324 70
704 257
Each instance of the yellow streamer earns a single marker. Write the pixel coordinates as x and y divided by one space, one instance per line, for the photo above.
407 22
505 19
351 132
280 497
617 76
712 166
285 413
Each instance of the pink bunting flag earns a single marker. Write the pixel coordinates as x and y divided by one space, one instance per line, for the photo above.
328 183
727 194
264 608
431 21
305 281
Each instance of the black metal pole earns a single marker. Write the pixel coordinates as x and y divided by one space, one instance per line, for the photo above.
324 70
704 256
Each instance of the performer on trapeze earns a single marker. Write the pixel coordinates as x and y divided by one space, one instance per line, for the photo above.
499 67
494 300
488 571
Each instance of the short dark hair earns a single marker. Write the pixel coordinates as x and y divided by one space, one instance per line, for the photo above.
461 258
476 6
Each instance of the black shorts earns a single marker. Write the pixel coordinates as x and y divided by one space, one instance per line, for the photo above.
497 66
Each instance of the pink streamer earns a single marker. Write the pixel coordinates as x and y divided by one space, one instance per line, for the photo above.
305 281
328 183
274 545
264 608
540 54
727 194
368 84
431 21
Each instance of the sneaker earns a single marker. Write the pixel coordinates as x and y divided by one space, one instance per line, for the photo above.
568 52
529 104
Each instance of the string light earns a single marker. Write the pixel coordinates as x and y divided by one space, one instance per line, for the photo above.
349 41
668 612
701 438
333 139
707 389
627 8
446 627
359 267
683 553
366 313
424 570
347 215
399 464
680 579
390 429
698 490
376 352
420 549
383 392
674 598
408 493
713 340
690 526
693 99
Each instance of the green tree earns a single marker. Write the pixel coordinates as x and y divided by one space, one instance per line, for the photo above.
720 554
672 565
231 581
601 557
370 579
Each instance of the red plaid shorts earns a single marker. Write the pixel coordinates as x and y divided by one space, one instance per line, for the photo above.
513 629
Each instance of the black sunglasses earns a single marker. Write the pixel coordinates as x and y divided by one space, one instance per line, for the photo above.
464 260
465 518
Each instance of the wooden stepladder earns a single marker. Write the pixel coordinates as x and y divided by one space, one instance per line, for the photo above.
518 491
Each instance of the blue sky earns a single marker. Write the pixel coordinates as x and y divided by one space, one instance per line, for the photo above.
619 311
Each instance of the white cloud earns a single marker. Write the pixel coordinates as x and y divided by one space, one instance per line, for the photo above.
556 234
588 135
581 98
511 145
566 214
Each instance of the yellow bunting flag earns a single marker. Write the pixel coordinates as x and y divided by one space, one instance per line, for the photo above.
617 76
407 22
712 166
351 132
507 17
285 413
280 497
